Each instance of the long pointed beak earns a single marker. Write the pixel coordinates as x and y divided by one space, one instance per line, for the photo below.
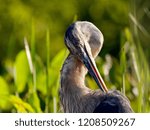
92 69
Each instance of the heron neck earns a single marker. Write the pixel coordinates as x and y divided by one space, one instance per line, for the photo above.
72 83
73 72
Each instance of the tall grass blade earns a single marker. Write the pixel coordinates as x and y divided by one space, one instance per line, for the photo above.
54 104
33 41
47 69
28 54
31 64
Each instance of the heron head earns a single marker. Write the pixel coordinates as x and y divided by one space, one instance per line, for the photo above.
82 32
84 40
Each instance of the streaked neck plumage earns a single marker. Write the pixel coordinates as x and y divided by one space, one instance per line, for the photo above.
72 84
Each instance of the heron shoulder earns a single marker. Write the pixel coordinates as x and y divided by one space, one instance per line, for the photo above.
113 102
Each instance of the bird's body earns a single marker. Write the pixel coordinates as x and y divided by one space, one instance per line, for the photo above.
84 41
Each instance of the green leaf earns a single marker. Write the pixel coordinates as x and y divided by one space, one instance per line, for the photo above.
40 76
4 93
128 35
41 82
4 89
20 105
58 59
56 64
22 71
54 70
35 102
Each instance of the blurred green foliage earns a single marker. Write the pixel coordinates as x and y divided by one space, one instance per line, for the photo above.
18 17
29 78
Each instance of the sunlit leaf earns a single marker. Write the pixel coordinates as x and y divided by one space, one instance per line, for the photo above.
56 64
20 105
58 59
21 71
41 82
4 93
4 89
35 102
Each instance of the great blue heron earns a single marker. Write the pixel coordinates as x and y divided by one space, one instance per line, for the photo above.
84 41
